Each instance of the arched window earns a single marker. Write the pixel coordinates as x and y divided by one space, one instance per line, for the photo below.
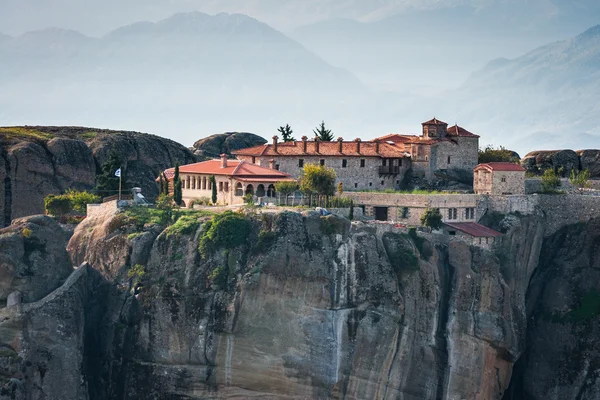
194 183
271 191
260 190
250 189
189 180
239 190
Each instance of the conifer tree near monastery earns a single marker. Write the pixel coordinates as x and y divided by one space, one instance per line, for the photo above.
322 133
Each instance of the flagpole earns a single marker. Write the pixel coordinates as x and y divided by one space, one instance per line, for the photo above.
120 174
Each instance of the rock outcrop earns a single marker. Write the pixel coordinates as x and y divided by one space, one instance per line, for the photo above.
37 161
300 306
537 162
224 143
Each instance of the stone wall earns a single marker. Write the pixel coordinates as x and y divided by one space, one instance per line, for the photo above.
345 212
463 155
353 176
408 208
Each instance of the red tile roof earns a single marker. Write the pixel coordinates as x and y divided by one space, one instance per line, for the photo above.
460 131
367 149
473 229
395 138
434 121
499 166
235 168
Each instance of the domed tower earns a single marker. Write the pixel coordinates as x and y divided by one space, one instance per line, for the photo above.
434 129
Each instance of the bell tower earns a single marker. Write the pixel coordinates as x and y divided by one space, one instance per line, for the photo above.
434 129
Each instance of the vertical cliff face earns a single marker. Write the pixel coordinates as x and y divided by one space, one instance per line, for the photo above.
562 360
301 306
323 309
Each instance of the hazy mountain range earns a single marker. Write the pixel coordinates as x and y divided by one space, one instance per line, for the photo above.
193 74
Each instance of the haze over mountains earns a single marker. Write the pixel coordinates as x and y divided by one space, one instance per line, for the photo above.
393 65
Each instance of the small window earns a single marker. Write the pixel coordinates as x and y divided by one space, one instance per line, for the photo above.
344 163
399 162
382 182
452 233
384 162
405 212
449 213
455 213
362 163
301 163
227 186
426 158
503 179
397 182
253 160
322 162
448 159
370 183
220 186
355 185
277 167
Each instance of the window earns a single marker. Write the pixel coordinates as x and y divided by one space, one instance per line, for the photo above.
405 212
399 162
426 158
382 183
253 160
301 163
449 213
503 179
220 186
344 163
455 212
397 182
384 162
227 186
452 233
362 162
322 162
452 213
355 185
370 183
448 159
277 167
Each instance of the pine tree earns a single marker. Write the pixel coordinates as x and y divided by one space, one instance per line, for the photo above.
213 183
107 183
322 133
177 194
161 184
286 133
166 182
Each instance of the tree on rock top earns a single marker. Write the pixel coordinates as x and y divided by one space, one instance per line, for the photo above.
107 184
286 133
432 218
177 194
322 133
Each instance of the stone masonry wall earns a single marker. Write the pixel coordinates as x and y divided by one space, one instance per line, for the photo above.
353 176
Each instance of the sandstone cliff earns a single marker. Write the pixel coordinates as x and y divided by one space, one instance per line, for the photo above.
301 306
37 161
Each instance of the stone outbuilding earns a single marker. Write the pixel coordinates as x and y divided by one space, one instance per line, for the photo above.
473 233
499 178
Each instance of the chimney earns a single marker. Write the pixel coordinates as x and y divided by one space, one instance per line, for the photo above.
357 140
223 160
275 143
271 164
317 143
340 144
304 139
377 147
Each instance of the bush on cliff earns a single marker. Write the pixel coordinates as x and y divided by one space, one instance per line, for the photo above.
550 181
72 200
226 230
57 205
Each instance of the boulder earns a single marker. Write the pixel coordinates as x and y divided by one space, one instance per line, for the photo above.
590 160
539 161
224 143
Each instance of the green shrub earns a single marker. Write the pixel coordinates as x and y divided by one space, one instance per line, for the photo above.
202 201
26 232
57 205
137 273
340 202
550 181
249 199
266 239
219 277
80 200
185 224
226 230
432 218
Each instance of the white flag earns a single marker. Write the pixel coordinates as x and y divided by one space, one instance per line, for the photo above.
118 172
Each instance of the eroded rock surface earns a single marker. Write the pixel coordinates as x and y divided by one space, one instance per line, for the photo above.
224 143
38 161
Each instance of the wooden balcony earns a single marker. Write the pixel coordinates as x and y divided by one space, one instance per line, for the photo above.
389 170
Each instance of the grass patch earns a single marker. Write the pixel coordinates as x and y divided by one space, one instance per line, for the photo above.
137 273
154 216
88 135
266 239
132 236
25 132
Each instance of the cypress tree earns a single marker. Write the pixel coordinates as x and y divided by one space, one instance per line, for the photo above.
351 215
213 183
177 195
